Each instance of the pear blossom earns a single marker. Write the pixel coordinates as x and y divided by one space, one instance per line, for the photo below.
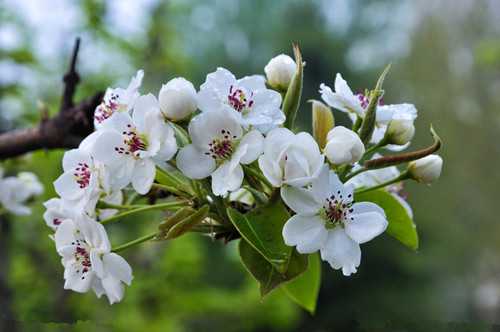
355 105
401 118
15 191
426 170
177 99
218 150
118 100
248 98
279 71
293 159
130 145
57 211
343 146
327 219
79 184
88 261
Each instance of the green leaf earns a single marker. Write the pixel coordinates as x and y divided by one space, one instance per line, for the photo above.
291 102
401 225
262 229
304 289
265 273
178 216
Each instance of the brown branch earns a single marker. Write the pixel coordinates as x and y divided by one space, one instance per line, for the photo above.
65 130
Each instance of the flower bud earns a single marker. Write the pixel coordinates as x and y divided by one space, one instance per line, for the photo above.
177 99
279 71
322 122
400 131
343 146
427 169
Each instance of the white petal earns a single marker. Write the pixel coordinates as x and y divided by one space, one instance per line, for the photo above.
341 251
194 163
114 289
73 157
253 83
367 224
67 187
300 200
255 145
144 105
308 233
97 264
118 267
271 170
206 127
65 234
143 176
77 281
104 148
226 178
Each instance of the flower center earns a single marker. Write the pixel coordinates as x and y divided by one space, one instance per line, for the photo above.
221 148
56 221
336 210
82 257
106 108
82 175
238 99
134 142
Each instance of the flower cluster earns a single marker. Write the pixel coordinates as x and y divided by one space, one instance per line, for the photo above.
231 145
15 191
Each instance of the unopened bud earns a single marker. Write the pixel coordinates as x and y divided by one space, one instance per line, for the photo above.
279 71
343 146
322 122
400 131
177 99
427 169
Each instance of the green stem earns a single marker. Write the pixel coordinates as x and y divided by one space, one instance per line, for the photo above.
172 206
401 177
134 242
105 205
169 189
357 124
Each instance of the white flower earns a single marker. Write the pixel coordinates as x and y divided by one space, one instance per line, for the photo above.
129 146
16 190
401 118
289 158
79 184
345 100
279 71
427 169
57 211
218 149
328 220
248 98
88 261
118 100
177 99
343 146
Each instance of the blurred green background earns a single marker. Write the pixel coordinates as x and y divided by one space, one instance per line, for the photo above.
446 60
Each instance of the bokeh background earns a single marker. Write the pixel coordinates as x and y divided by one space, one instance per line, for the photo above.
446 60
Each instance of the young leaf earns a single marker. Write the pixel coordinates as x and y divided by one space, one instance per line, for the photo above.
173 179
262 228
401 225
187 223
291 102
265 273
304 289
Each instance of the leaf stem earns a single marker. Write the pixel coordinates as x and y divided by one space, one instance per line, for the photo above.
134 242
172 206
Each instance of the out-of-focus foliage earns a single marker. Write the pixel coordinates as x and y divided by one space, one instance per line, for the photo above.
446 60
